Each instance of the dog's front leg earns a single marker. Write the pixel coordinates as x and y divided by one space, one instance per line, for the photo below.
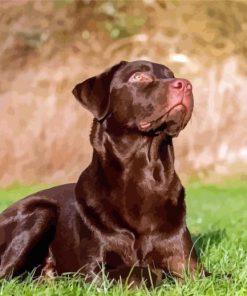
175 255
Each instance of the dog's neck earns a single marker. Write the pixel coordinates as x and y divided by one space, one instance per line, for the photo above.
129 169
119 151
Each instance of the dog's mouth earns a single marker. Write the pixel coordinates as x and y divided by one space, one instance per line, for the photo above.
172 121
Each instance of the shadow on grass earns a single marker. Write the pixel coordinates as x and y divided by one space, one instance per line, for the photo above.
204 241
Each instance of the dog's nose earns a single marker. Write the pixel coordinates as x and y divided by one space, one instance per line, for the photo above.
180 84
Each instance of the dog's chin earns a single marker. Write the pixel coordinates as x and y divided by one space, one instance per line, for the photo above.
171 122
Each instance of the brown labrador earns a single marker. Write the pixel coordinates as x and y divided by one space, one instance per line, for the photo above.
127 208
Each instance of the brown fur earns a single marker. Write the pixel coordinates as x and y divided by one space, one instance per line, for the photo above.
127 208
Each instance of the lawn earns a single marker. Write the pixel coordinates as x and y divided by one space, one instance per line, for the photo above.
217 218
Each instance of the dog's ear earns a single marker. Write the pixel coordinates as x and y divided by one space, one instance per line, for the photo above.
94 92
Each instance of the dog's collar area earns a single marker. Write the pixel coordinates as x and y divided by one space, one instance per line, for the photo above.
103 118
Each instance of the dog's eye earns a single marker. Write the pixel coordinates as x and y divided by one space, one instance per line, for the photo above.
141 77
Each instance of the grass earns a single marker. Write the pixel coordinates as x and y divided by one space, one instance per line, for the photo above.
217 220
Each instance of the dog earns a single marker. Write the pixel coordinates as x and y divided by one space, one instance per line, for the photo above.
127 209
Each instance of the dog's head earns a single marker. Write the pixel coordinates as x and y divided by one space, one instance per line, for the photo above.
138 95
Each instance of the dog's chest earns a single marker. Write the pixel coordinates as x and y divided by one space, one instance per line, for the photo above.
143 209
140 252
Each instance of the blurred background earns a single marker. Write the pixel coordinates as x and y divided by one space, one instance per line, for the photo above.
46 47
